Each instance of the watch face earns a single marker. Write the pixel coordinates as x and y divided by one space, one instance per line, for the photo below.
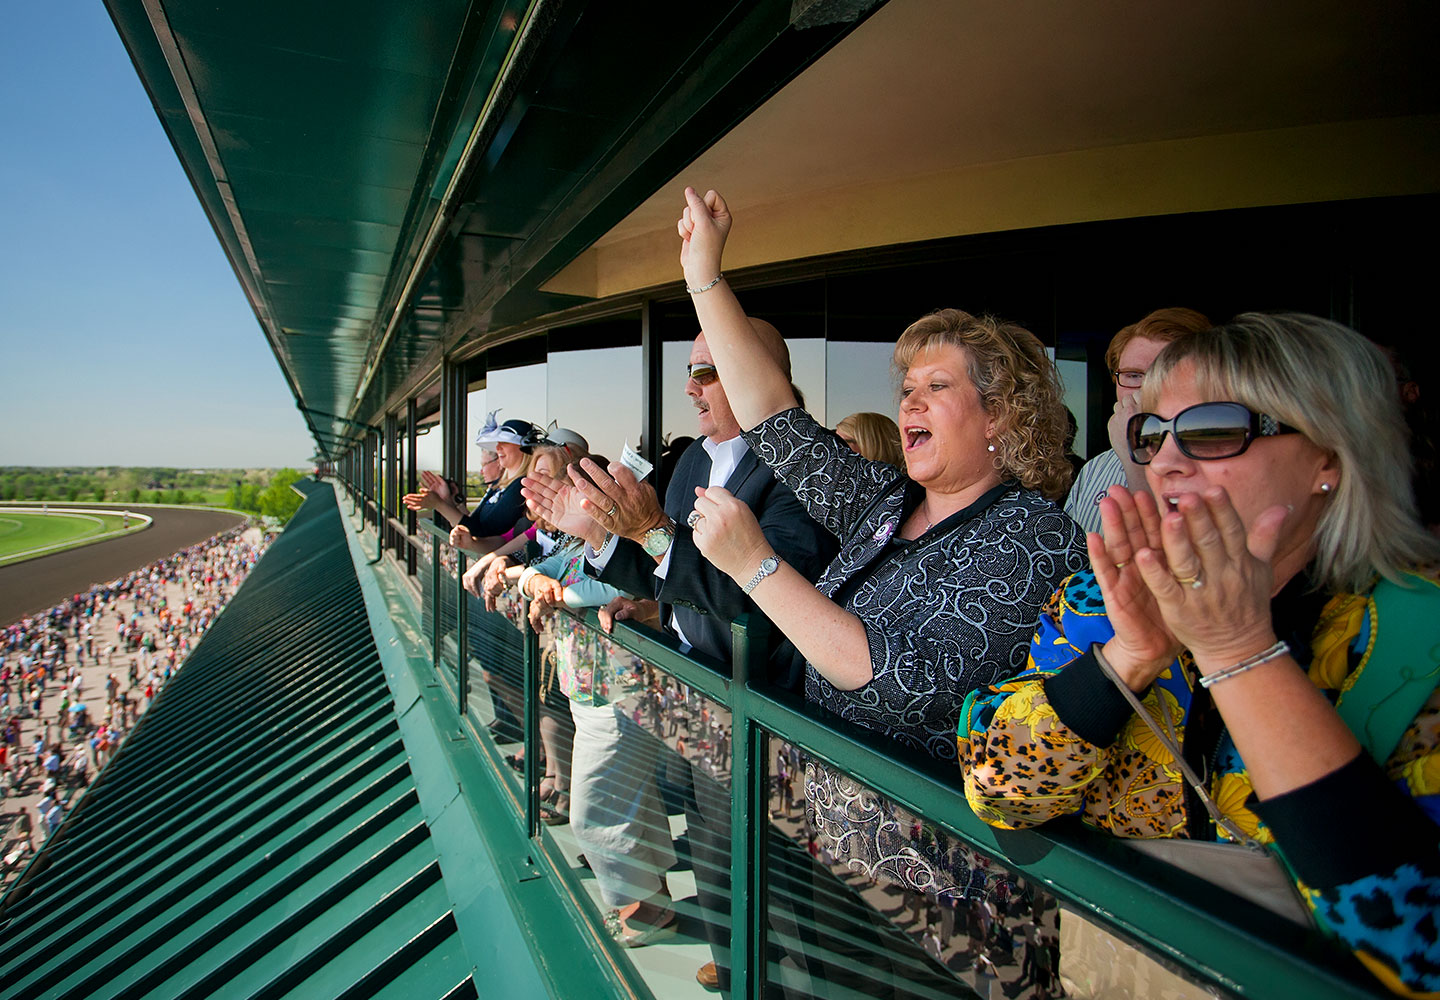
657 540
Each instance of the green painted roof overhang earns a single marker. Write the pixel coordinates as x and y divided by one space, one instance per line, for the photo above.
390 181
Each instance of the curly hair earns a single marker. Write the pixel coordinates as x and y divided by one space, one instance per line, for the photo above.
1018 386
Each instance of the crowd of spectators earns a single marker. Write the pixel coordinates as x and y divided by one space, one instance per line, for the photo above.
1209 591
76 678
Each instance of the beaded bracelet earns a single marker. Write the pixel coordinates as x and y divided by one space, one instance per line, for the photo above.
704 288
1273 653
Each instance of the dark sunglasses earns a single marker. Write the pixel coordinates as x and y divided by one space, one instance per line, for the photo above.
1204 431
702 373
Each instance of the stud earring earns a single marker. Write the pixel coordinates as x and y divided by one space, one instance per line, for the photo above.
989 447
1325 487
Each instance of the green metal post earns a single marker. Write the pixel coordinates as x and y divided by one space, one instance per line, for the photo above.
377 474
532 727
749 814
462 632
435 553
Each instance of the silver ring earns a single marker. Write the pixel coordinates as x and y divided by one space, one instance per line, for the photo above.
694 519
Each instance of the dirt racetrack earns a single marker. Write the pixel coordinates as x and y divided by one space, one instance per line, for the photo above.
37 584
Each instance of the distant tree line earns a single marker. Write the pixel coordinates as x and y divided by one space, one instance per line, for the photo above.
259 491
277 499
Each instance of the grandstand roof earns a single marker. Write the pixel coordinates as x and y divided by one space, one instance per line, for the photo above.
396 176
403 180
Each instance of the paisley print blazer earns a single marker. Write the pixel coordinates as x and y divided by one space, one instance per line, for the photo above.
951 612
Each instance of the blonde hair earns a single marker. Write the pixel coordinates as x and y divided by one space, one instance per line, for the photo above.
1337 388
527 461
876 435
1018 386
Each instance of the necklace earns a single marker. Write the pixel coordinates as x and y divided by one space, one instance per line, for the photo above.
928 522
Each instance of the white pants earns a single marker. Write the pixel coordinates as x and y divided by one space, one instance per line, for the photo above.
615 809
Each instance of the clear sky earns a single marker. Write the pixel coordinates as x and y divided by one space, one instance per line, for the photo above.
125 338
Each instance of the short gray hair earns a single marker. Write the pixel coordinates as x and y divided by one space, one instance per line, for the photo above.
1339 390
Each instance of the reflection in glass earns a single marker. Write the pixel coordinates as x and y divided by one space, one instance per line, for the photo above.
646 825
891 904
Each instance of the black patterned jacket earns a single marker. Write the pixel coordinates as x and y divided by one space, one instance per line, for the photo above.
949 613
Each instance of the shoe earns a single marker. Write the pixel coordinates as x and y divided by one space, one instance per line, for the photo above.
708 976
516 761
649 935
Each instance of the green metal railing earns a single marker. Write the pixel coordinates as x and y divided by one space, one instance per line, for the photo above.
1208 934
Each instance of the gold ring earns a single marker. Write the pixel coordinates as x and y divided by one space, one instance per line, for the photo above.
1122 565
613 508
1193 582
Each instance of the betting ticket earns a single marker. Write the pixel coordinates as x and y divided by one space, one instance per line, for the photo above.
630 458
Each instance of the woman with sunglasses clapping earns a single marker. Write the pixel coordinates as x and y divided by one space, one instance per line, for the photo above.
1253 658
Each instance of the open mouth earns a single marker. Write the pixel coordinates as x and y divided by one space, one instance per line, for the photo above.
915 437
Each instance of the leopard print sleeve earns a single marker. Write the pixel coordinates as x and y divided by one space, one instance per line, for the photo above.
1022 765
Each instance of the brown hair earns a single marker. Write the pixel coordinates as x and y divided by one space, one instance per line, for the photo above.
1018 387
876 435
1162 326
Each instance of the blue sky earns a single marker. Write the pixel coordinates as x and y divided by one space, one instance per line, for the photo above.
126 338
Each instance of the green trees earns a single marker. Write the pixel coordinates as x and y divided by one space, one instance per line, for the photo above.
279 500
99 494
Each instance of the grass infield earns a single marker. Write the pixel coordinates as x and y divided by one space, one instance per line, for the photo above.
27 534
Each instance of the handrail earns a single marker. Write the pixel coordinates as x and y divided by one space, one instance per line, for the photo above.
1206 931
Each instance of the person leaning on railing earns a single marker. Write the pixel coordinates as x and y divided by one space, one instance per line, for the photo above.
570 447
941 574
1272 604
501 507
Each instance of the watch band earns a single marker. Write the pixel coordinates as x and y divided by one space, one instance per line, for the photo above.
768 565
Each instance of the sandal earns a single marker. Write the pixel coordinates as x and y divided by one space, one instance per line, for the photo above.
667 927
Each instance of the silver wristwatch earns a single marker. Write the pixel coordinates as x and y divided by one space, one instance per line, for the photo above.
768 565
657 540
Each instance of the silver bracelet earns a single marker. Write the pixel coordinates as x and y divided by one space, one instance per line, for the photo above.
705 288
1273 653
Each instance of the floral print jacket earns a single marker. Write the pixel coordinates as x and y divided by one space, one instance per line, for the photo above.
1057 739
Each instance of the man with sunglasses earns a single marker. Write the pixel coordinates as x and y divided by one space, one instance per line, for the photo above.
644 548
1128 357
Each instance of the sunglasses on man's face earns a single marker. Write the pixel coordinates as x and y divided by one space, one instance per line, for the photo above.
702 372
1204 431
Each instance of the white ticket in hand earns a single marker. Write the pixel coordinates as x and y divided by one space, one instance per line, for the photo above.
630 458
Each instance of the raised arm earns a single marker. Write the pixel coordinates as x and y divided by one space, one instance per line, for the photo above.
754 381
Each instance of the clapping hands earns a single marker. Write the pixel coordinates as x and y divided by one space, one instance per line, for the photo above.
1193 577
